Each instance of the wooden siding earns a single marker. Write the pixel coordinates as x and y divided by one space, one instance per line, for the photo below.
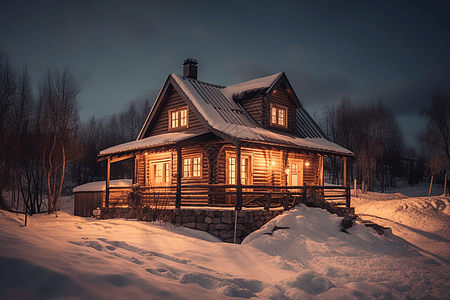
254 106
161 125
311 172
86 202
281 97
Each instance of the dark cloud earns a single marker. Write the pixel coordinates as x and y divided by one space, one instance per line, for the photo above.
411 96
244 70
322 86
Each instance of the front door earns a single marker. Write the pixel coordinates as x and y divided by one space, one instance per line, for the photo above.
246 172
295 177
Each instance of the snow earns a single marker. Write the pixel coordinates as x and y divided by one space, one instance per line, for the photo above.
258 83
245 133
98 186
157 140
301 254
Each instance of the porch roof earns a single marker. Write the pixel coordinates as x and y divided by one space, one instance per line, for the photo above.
152 141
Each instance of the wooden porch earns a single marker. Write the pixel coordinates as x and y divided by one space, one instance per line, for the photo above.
219 195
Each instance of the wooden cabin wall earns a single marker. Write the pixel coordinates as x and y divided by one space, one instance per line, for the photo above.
253 107
281 97
194 151
86 202
311 172
266 165
173 101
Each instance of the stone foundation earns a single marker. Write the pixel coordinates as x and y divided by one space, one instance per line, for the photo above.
217 222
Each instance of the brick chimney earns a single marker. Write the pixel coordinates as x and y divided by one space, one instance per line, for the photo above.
190 68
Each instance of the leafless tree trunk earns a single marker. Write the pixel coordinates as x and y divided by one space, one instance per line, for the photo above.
436 137
60 126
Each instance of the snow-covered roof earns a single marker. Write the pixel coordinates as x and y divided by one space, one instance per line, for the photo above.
231 119
152 141
223 116
98 186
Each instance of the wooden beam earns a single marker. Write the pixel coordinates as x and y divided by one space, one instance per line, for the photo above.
118 158
345 171
321 179
179 170
238 200
108 176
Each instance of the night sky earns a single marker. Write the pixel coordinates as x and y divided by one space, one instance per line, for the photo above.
123 50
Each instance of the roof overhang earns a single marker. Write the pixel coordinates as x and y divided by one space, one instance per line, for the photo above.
127 150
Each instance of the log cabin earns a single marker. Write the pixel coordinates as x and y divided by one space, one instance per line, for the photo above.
247 144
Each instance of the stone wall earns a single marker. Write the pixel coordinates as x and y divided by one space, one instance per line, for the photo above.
217 222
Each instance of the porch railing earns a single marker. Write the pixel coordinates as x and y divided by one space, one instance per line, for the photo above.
219 195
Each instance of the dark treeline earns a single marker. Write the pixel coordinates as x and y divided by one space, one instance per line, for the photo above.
45 149
100 134
381 158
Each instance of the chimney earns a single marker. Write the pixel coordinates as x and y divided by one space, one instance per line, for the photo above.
190 68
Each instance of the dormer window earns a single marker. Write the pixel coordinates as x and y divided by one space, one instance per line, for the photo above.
178 118
278 116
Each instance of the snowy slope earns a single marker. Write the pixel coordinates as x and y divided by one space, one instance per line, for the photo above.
83 258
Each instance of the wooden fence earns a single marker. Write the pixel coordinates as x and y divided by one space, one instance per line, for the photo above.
218 195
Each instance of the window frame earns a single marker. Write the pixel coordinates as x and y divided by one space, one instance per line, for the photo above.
277 109
156 170
179 118
195 170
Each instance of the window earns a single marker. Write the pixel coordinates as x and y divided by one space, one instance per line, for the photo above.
278 116
178 118
192 167
245 170
158 173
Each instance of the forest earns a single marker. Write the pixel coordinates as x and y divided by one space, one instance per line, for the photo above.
46 150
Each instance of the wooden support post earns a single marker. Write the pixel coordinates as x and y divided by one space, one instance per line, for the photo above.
238 200
179 170
321 179
269 201
354 187
235 225
108 177
345 171
305 201
347 196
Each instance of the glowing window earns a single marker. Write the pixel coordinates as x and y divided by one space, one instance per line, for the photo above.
178 118
196 167
192 167
187 167
279 116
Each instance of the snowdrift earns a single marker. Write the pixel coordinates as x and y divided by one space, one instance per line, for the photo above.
301 254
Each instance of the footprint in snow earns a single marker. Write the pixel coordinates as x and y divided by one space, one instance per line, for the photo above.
79 227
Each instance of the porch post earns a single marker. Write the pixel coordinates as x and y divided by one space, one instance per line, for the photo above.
321 181
108 177
179 170
238 200
345 171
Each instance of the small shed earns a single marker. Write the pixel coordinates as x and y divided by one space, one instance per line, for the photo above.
91 195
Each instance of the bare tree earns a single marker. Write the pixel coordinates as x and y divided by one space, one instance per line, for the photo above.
8 94
60 128
371 132
436 137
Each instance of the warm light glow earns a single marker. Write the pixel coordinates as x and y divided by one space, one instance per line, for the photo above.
286 170
306 163
273 163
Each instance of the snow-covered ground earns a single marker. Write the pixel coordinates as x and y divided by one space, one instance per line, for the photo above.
308 257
